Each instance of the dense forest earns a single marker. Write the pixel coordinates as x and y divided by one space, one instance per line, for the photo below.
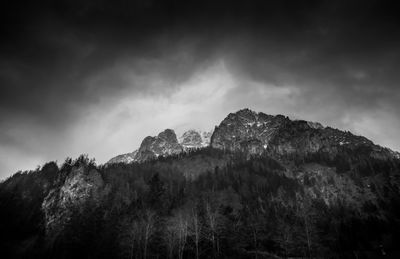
232 206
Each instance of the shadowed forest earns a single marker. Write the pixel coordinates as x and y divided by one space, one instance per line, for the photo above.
248 208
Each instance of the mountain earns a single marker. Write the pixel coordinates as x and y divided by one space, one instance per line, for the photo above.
259 186
165 144
254 133
124 158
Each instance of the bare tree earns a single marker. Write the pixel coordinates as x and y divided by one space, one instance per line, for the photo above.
213 220
148 221
304 210
195 229
177 231
169 239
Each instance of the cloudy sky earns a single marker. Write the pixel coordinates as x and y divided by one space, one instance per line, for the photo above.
96 77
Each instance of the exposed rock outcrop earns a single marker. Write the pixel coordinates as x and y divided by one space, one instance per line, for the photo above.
195 139
78 187
164 144
247 131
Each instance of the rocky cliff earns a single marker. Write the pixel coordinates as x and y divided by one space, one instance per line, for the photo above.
82 184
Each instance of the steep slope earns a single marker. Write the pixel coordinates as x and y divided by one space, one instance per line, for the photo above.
80 185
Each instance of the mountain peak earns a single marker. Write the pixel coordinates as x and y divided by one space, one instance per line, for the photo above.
246 111
246 130
195 139
168 134
164 144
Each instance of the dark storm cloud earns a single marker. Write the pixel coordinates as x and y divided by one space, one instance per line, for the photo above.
60 58
345 53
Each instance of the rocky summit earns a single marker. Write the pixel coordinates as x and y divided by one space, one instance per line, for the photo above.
165 144
256 133
247 131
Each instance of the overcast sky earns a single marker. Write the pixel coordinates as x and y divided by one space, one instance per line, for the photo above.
97 77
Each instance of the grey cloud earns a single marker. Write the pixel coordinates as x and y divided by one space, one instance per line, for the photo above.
61 60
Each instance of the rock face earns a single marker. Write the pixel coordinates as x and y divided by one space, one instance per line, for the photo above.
190 139
164 144
79 186
247 131
206 137
195 139
255 133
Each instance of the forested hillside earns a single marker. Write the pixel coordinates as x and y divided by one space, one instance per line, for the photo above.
204 203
